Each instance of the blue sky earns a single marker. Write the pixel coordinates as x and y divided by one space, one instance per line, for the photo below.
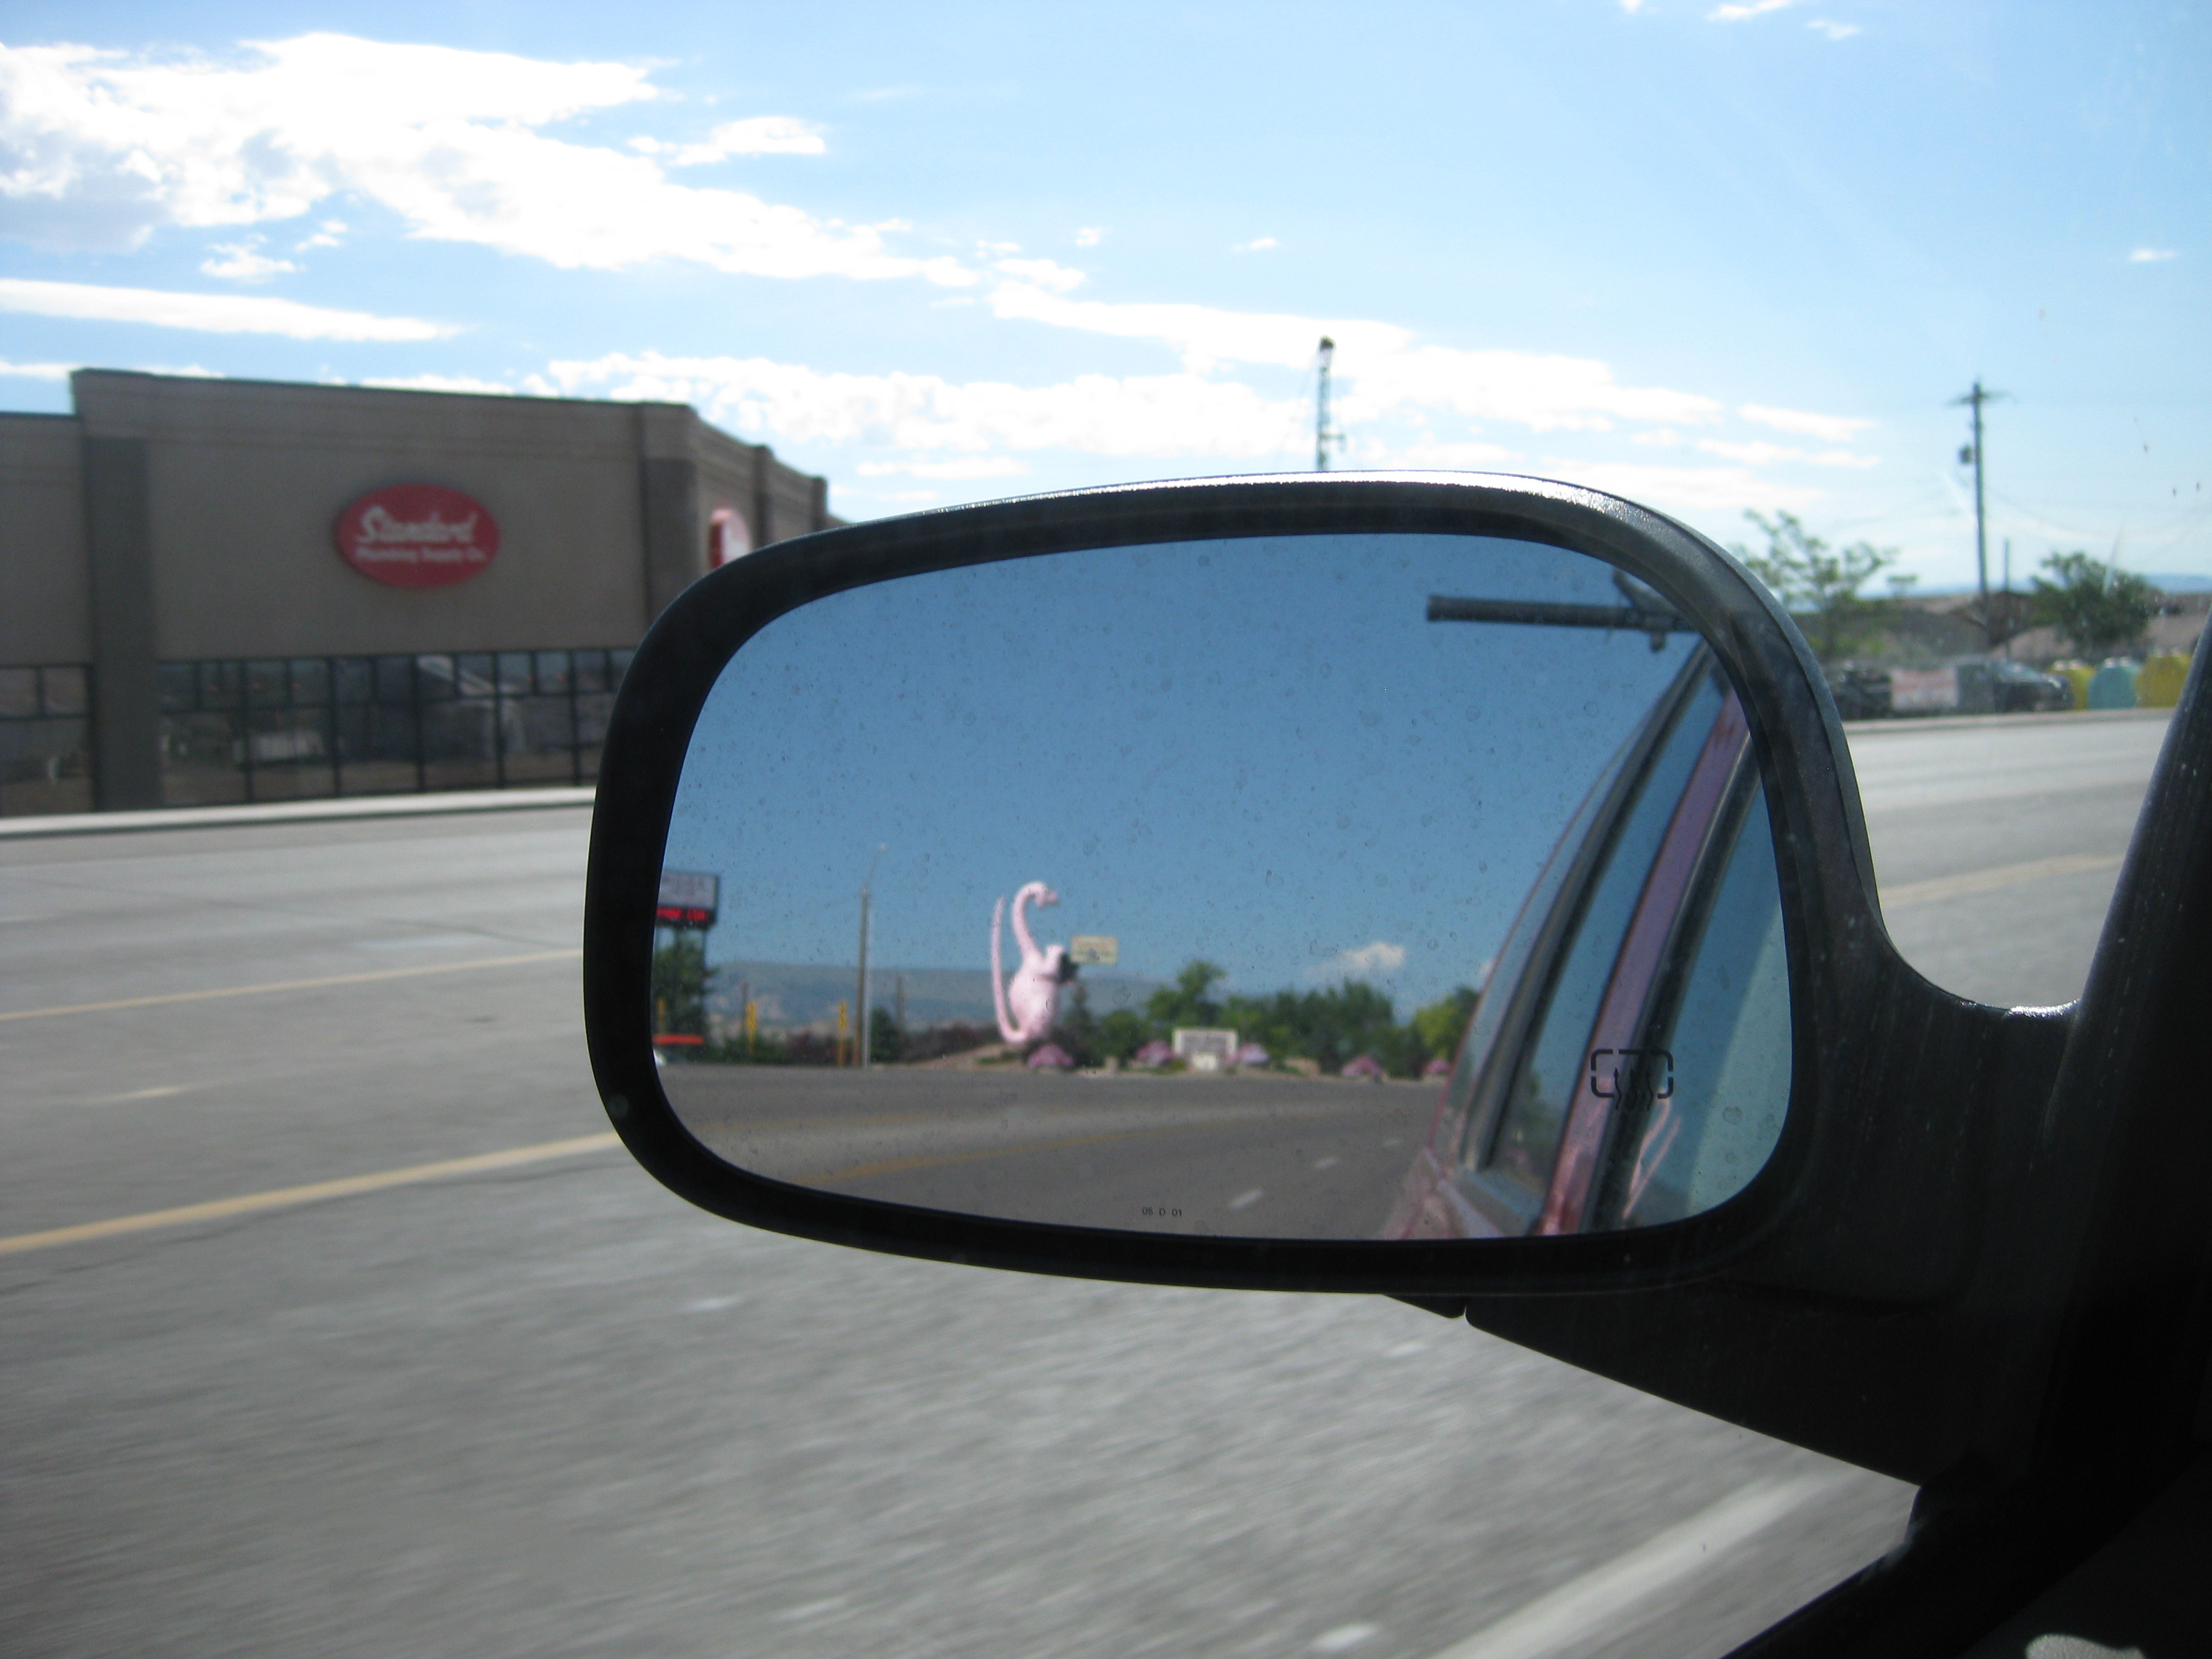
1714 256
1261 752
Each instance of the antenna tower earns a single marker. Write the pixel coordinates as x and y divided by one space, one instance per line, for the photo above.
1325 436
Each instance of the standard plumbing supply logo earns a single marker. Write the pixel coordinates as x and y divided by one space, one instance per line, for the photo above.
417 536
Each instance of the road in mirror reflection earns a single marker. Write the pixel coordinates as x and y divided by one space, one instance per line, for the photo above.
1312 887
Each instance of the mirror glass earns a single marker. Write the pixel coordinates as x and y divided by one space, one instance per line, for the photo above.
1319 887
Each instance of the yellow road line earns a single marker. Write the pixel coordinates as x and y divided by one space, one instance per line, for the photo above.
222 1209
2003 875
296 984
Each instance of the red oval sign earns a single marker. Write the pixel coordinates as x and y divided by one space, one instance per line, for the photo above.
417 536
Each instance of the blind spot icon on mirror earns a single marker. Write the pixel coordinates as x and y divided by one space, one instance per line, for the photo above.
1400 886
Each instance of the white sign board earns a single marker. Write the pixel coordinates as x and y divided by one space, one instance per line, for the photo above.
1922 690
1205 1048
1094 949
687 898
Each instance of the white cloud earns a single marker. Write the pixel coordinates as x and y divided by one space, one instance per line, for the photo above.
244 262
1835 429
467 383
330 235
1664 437
1759 452
1632 6
102 148
1683 488
2150 256
213 313
1379 363
37 371
759 135
1045 273
1090 236
1257 244
1438 456
1833 29
1165 415
1376 960
966 467
1736 13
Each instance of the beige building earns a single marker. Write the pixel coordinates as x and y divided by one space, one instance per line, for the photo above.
232 590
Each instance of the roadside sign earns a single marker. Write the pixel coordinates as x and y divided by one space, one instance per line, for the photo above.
1922 690
687 898
1094 949
1205 1048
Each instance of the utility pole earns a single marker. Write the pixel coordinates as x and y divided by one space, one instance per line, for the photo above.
2009 619
1974 400
861 995
1324 435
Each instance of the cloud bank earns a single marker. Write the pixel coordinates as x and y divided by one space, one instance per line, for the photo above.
99 149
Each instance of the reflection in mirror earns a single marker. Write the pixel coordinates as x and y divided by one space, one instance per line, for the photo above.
1313 887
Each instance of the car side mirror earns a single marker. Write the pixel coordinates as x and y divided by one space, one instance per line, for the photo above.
1444 863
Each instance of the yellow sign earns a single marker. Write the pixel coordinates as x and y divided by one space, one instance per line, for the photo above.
1094 949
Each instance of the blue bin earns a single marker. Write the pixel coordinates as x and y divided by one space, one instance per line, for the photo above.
2113 686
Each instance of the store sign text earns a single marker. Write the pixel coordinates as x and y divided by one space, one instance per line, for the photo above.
417 536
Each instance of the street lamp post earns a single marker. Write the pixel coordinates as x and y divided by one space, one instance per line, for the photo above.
861 993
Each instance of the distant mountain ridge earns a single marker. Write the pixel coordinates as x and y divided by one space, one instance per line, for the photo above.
792 993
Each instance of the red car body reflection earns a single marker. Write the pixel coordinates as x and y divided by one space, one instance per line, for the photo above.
1594 967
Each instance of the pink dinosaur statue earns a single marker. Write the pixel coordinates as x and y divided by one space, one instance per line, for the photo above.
1030 1003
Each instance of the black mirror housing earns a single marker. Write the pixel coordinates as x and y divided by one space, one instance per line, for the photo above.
1859 1265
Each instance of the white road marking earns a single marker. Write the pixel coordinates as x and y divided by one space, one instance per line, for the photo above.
420 942
1326 1163
2003 875
1345 1638
1245 1200
144 1094
1584 1606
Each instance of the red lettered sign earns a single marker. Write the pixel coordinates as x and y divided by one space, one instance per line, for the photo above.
417 536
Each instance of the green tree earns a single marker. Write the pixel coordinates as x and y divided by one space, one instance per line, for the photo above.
886 1039
1121 1033
1818 584
1077 1029
679 984
1440 1024
2097 606
1189 1000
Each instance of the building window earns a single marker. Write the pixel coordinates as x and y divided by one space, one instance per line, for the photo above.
46 764
308 728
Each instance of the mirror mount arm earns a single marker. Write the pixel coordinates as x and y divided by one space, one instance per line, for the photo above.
1612 618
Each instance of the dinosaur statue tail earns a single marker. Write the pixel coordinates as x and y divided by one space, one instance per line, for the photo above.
998 978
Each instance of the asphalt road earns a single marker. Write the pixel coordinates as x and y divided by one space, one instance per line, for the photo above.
1254 1156
536 1405
1997 842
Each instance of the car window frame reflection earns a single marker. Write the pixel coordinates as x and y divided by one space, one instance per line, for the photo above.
1457 1188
